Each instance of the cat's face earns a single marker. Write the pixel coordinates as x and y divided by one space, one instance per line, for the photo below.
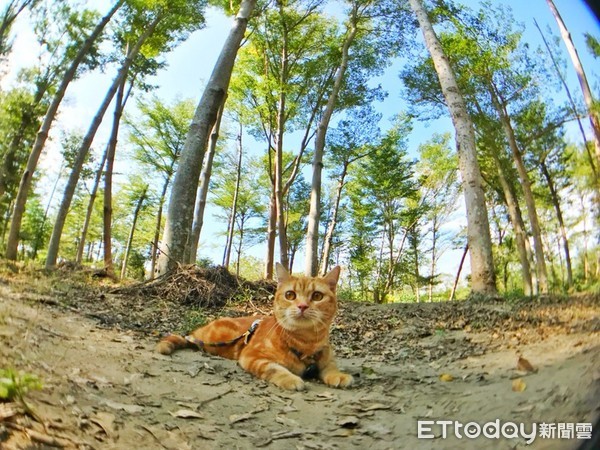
304 302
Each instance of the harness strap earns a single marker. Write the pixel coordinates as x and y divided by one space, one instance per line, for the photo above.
246 336
312 369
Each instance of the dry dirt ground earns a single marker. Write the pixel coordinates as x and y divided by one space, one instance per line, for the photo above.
104 386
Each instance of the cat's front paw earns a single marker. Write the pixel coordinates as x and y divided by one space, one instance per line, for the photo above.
338 379
288 381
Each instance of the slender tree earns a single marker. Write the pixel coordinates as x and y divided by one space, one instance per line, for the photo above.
203 188
572 105
233 214
90 208
53 247
158 136
136 213
12 10
120 102
478 230
585 87
314 214
180 213
42 135
349 142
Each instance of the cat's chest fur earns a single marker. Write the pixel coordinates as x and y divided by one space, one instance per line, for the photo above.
296 350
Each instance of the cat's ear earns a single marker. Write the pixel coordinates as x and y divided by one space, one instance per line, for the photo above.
282 273
332 277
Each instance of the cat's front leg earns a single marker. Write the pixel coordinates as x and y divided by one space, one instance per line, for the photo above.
330 374
272 372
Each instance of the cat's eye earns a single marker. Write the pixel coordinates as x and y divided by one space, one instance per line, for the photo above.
316 296
290 295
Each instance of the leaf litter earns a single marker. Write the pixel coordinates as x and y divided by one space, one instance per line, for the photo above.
112 388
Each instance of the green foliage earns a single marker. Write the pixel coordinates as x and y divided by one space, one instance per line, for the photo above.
15 385
20 113
192 320
593 45
381 185
308 40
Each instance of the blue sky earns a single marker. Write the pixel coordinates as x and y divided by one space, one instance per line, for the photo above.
189 66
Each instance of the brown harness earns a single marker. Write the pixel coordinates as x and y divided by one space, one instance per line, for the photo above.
310 372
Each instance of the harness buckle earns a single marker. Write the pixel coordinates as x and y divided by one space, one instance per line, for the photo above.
248 334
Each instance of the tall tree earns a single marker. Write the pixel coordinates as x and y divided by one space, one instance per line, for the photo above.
90 208
382 186
205 176
42 135
180 213
349 142
154 31
138 207
585 87
120 101
234 203
12 10
314 214
239 199
478 230
572 106
53 247
437 169
284 74
158 136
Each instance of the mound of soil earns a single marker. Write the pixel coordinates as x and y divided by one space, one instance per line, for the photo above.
199 287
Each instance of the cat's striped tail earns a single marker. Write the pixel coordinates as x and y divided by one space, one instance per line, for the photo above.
172 342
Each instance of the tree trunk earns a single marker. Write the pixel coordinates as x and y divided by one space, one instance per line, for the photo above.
328 241
278 178
271 236
231 226
90 208
39 239
561 222
312 234
8 17
203 190
136 214
434 237
585 87
536 232
161 204
42 134
483 277
457 278
120 102
516 219
180 213
573 110
417 274
85 146
239 249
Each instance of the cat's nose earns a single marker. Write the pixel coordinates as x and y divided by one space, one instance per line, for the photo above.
302 307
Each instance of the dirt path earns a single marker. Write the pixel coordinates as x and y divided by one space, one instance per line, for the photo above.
106 388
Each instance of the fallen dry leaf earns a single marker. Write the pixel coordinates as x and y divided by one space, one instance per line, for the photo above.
518 385
131 409
377 406
348 422
105 421
524 365
446 377
235 418
186 414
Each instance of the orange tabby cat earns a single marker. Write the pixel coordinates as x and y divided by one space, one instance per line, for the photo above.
285 347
